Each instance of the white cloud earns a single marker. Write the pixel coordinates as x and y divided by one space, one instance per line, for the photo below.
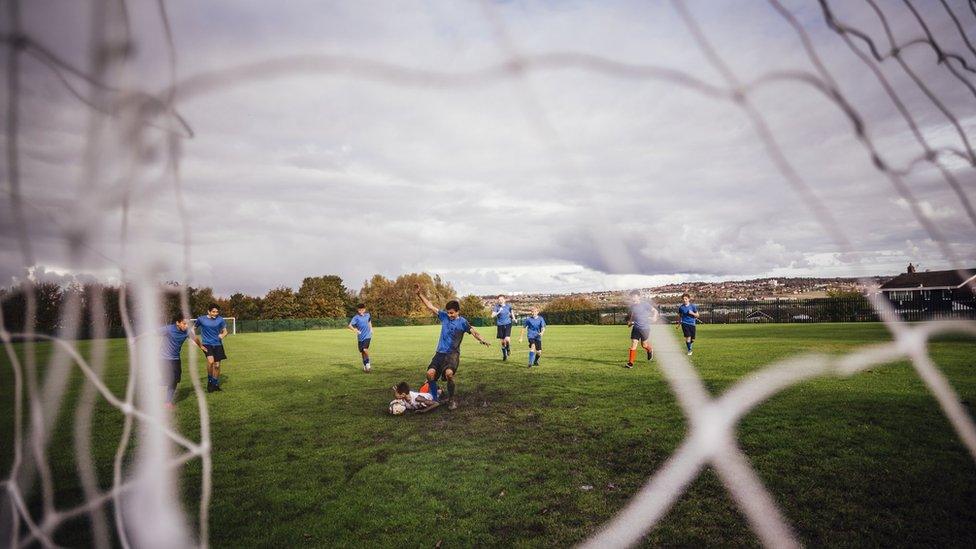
566 180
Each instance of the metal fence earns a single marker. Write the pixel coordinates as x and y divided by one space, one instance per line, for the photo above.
717 312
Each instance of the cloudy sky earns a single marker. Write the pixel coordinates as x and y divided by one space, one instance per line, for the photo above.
378 137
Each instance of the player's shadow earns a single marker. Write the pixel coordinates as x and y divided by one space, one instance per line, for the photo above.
604 362
185 388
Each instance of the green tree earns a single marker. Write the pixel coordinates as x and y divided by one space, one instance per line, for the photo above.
279 303
397 298
322 296
473 307
200 299
245 307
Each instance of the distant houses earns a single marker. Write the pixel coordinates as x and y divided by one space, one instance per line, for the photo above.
931 291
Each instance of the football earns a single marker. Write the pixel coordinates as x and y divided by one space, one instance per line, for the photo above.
397 407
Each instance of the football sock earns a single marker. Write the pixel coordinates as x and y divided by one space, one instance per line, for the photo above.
632 356
688 344
365 361
650 353
450 389
538 355
170 393
531 357
210 380
432 384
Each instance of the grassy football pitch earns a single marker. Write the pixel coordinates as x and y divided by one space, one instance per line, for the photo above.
305 452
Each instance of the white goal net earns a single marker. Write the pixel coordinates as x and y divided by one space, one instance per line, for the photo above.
133 138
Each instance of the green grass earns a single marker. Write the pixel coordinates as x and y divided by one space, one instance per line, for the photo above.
305 453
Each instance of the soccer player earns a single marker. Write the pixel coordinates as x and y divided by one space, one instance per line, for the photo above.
214 329
642 315
689 319
535 325
173 337
444 364
415 400
504 317
362 324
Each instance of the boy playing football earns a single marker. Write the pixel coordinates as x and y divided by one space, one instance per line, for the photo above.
444 363
362 324
689 319
214 329
642 315
420 400
503 315
535 325
173 337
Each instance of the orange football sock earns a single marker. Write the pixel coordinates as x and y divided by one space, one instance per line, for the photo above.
633 355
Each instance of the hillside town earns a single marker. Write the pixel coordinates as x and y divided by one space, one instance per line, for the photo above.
732 290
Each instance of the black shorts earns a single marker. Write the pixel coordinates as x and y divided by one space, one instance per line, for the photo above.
537 341
445 361
503 331
364 344
637 333
216 351
172 372
688 330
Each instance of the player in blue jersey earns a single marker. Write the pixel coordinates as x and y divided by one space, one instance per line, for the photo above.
174 335
533 326
504 318
642 315
213 327
444 364
689 320
362 324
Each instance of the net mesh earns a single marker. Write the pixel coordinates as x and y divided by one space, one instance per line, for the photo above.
127 124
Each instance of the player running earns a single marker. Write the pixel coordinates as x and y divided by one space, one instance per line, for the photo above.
362 324
445 362
173 337
642 315
535 325
504 317
689 320
214 329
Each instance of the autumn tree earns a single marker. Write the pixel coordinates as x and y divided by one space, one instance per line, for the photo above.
279 303
473 307
322 296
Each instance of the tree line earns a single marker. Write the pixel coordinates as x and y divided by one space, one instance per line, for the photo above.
317 297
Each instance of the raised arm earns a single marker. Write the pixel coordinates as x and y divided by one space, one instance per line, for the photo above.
426 301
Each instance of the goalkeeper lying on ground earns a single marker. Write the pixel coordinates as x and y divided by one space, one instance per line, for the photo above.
417 401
